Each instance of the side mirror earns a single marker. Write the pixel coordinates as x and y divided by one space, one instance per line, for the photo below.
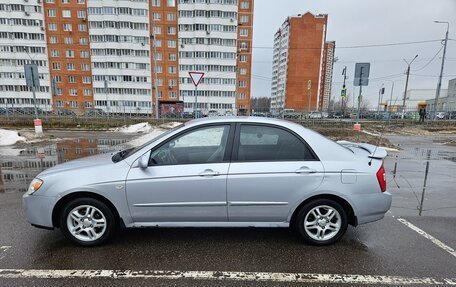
143 161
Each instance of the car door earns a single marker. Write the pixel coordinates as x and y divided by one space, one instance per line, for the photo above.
185 180
271 170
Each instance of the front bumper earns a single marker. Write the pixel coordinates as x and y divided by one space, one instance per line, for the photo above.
38 209
372 207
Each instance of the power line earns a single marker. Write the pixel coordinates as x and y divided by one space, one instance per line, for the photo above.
429 61
357 46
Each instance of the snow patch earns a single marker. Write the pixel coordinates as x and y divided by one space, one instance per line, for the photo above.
147 137
8 137
133 129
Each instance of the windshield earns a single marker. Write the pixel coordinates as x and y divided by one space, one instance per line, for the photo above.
123 154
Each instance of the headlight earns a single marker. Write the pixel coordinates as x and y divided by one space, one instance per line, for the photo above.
34 185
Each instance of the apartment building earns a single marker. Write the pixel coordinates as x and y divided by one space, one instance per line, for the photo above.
302 64
23 41
120 55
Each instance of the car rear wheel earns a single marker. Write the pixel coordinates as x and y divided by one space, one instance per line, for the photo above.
321 222
87 222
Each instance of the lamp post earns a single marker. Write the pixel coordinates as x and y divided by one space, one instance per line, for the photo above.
439 84
406 84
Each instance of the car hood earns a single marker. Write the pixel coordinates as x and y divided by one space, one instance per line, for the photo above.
85 162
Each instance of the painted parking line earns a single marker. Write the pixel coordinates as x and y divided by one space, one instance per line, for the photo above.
3 250
428 236
224 275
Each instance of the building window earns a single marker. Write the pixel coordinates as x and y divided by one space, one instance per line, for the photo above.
156 16
84 54
172 57
172 70
244 32
87 92
70 67
243 58
55 53
242 84
158 69
172 94
171 30
81 14
51 12
159 82
171 3
81 1
65 1
244 5
83 41
66 14
243 45
243 71
172 83
157 43
171 44
67 27
73 92
157 30
244 19
171 17
59 91
69 54
52 27
82 27
86 80
71 79
242 96
56 66
53 39
158 56
57 79
156 3
50 1
68 40
85 67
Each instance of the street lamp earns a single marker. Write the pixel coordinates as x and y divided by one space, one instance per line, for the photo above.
439 84
406 84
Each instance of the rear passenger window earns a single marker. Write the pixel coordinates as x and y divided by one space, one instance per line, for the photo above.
264 143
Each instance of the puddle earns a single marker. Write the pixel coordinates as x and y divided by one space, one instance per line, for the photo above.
19 166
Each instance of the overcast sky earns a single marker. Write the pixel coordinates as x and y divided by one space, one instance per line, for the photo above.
365 22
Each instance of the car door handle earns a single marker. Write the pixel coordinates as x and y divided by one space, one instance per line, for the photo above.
305 169
209 172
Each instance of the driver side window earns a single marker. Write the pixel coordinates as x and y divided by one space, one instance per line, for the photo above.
202 145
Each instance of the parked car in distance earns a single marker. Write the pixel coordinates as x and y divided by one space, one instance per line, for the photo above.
187 115
315 115
212 113
216 172
95 113
228 113
64 112
441 115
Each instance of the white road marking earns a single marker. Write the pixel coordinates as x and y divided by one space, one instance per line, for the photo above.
428 236
3 250
225 275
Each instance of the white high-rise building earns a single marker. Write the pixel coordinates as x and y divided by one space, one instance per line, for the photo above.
23 41
120 54
208 43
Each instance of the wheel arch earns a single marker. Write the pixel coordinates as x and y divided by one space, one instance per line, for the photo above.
59 206
352 219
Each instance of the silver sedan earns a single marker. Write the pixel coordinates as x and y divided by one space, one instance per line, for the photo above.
216 172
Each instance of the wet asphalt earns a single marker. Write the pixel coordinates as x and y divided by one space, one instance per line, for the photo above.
386 247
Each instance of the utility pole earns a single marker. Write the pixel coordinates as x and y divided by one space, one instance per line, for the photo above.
439 85
381 91
155 88
344 91
360 92
406 85
309 87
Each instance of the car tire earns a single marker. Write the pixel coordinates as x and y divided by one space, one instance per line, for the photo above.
92 221
321 222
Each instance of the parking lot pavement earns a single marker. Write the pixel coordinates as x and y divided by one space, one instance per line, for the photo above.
384 248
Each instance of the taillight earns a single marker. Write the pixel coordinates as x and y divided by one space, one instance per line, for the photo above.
381 177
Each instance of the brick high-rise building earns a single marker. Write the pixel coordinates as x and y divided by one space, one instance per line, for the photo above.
100 53
299 56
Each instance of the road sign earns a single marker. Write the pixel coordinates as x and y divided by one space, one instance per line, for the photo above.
196 77
343 92
361 74
32 78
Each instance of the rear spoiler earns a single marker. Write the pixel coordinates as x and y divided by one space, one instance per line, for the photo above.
374 152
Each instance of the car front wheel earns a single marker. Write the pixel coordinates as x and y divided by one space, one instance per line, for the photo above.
321 222
87 222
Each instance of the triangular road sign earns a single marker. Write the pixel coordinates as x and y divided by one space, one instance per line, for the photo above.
196 77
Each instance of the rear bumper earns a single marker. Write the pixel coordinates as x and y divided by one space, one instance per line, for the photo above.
372 207
38 210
